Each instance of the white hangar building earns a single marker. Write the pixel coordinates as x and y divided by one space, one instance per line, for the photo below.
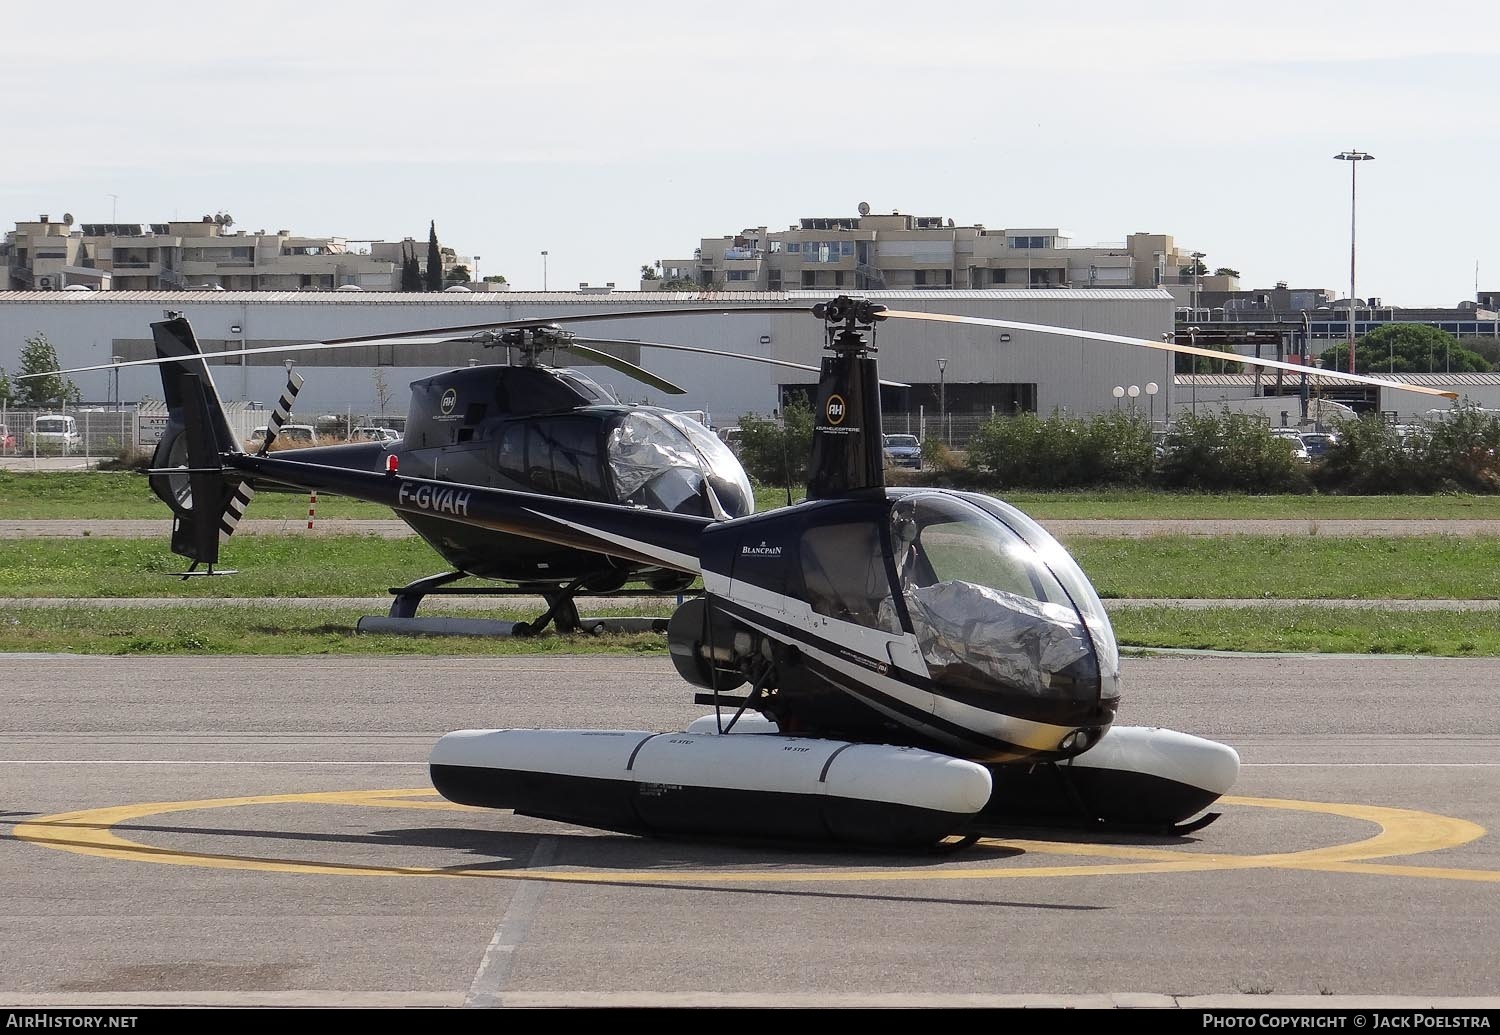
975 370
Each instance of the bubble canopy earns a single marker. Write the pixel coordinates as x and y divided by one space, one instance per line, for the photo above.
1000 610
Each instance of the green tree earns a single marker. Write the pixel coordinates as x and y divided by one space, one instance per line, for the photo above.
383 393
39 357
458 275
1225 271
682 284
1186 363
1487 348
411 273
648 272
7 391
1405 348
1194 268
775 452
1228 452
434 259
1063 451
1372 458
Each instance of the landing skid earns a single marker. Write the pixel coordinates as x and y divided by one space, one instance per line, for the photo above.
562 611
194 573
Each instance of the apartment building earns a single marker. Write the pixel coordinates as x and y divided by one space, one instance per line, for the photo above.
904 252
49 255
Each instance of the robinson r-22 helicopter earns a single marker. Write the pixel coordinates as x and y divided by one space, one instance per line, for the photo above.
921 663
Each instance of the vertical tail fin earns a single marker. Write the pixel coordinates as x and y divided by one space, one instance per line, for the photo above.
188 474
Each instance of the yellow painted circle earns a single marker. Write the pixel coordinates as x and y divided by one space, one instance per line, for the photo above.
1403 832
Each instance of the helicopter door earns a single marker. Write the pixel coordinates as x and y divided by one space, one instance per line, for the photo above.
847 603
843 573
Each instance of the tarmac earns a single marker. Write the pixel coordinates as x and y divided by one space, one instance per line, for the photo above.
238 831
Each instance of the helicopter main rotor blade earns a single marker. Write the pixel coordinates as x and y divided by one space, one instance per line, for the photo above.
726 355
624 366
383 339
436 335
1163 346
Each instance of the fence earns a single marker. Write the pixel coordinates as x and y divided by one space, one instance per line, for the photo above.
955 429
87 433
106 432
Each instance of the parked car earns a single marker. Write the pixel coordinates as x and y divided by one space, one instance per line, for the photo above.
374 434
1294 438
291 436
903 451
56 433
1319 442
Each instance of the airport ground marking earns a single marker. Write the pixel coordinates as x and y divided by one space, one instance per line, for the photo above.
1401 833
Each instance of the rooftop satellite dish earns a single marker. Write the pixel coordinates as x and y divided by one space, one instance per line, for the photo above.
67 219
864 208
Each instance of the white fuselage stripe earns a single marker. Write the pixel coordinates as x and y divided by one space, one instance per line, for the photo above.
669 558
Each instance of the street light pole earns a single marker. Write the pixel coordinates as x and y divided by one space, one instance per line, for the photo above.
1353 158
1193 342
1198 258
544 269
942 399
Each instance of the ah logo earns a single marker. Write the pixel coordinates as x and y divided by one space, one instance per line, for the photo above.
835 409
760 551
450 400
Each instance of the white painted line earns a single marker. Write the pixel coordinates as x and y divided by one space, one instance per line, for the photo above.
1370 765
494 967
162 761
253 761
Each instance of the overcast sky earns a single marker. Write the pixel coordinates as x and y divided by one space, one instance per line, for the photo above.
612 135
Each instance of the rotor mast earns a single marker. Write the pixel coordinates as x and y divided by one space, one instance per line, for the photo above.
847 453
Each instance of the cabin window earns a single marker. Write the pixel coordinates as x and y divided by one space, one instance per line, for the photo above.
573 447
844 575
510 456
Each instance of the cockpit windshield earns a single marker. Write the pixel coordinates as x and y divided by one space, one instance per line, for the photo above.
662 459
722 465
985 606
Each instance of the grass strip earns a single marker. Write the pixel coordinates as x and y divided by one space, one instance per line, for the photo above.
79 495
281 630
1448 634
1159 567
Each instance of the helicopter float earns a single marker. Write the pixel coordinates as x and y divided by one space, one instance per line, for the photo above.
922 664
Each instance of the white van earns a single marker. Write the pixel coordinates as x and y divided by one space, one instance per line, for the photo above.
291 436
56 433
